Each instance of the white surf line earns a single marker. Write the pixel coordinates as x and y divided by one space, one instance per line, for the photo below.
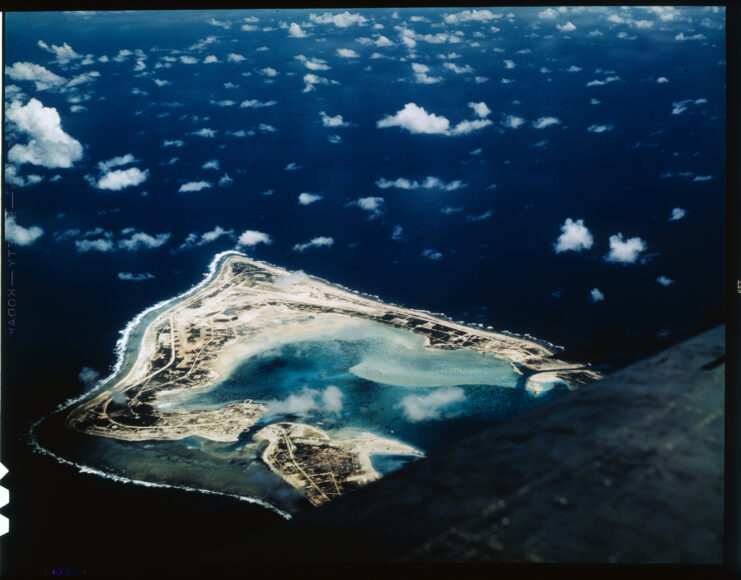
122 479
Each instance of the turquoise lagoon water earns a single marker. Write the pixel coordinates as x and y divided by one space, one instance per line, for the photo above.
375 378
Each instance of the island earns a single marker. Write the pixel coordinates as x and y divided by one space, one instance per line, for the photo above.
247 304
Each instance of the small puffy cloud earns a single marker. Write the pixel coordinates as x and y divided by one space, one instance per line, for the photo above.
416 120
397 234
335 121
292 166
703 178
428 407
595 295
311 80
332 399
543 122
141 240
205 132
211 164
430 182
421 76
600 128
334 139
308 198
431 254
624 251
194 240
11 176
297 277
306 401
480 109
295 31
42 77
568 27
20 235
347 53
677 214
662 80
194 186
548 14
375 206
250 238
185 59
664 281
256 104
459 70
116 162
83 78
225 180
342 20
233 57
313 63
173 143
318 242
509 64
575 236
573 68
481 217
48 145
119 179
88 377
98 245
471 16
211 58
513 122
135 277
607 80
63 54
268 72
682 36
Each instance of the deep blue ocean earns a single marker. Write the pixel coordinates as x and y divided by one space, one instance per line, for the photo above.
493 247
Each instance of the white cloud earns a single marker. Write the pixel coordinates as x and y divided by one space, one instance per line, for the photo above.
573 68
265 128
318 242
513 122
268 72
308 198
397 234
662 80
568 27
607 80
194 240
297 277
48 145
431 254
98 245
194 186
313 63
681 106
205 132
88 376
677 214
509 64
429 182
332 399
11 176
544 122
459 70
83 78
421 76
347 53
471 15
481 217
682 36
624 251
334 139
119 179
375 206
256 104
63 54
600 128
664 281
211 164
306 401
703 178
295 31
141 240
335 121
416 120
292 166
41 76
595 295
251 238
174 143
20 235
311 80
548 14
342 20
480 109
427 407
234 57
575 236
135 277
116 162
185 59
225 180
